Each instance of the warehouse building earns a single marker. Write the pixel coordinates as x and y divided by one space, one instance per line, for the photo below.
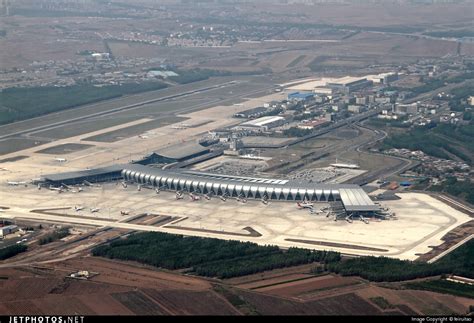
8 229
349 84
300 96
262 124
353 197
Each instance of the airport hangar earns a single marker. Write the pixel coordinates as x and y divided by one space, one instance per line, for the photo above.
353 197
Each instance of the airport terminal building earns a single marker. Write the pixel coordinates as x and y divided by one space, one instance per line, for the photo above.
353 197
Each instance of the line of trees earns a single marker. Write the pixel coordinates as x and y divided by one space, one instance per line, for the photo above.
56 235
459 262
11 251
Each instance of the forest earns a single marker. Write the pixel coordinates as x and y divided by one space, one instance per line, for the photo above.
11 251
459 262
206 256
56 235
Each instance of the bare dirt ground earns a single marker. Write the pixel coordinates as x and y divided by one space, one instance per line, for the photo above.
127 288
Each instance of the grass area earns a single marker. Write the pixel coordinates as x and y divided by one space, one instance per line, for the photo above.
459 33
207 257
198 74
56 235
11 251
22 103
444 286
296 61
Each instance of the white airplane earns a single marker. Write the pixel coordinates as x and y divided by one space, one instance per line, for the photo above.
305 205
61 160
95 209
180 126
179 195
242 199
78 208
143 136
194 197
363 219
124 185
58 189
157 190
124 212
16 183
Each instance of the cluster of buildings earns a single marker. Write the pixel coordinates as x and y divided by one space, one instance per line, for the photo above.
95 67
439 165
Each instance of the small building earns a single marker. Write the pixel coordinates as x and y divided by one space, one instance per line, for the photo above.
403 109
312 124
355 108
8 229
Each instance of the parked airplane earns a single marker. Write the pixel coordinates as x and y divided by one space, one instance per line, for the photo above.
17 183
143 136
78 208
61 160
194 197
58 189
124 185
124 212
241 198
95 209
179 195
305 205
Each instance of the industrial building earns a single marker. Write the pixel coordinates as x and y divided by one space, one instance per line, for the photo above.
349 84
300 96
262 124
353 197
251 113
8 229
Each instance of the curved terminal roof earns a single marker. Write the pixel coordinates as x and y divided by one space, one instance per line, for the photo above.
353 197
